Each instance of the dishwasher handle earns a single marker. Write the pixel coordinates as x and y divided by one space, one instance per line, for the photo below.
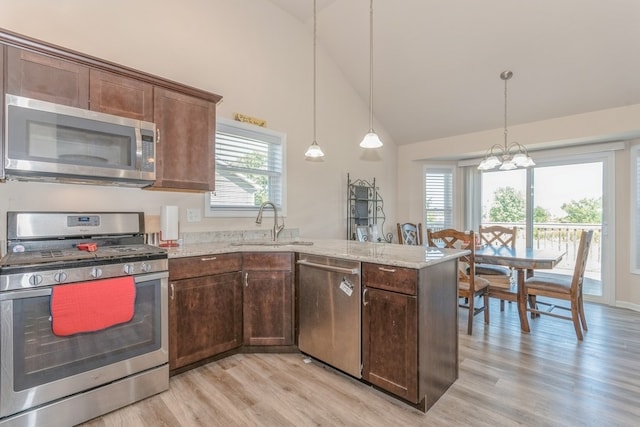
333 268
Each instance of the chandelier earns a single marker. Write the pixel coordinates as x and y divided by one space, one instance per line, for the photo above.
507 156
314 152
371 139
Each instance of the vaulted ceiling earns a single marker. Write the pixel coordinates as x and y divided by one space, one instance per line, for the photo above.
437 62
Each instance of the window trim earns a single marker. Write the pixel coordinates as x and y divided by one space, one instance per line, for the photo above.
232 126
430 168
568 156
634 215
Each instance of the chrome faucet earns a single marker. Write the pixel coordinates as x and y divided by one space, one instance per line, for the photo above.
276 228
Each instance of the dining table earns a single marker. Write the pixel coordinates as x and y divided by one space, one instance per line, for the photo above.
524 261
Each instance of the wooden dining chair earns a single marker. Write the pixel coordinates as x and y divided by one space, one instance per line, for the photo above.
567 288
410 234
470 286
502 283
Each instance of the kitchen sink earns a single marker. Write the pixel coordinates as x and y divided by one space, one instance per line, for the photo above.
272 243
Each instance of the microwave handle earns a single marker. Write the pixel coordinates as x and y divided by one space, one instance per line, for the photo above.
138 135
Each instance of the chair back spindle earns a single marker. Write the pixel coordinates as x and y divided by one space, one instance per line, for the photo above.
410 233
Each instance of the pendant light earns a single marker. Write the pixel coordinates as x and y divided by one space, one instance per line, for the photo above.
314 152
507 156
371 140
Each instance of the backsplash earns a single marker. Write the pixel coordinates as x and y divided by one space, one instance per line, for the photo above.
191 238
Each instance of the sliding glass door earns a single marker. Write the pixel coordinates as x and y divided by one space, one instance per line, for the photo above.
568 199
551 204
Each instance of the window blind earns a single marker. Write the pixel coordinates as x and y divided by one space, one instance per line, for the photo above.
438 186
249 168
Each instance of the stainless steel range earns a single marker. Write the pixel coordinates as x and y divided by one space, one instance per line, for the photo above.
54 378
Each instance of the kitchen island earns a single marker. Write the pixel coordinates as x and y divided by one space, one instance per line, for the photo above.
409 319
381 253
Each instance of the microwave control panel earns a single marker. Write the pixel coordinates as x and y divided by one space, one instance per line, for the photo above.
148 151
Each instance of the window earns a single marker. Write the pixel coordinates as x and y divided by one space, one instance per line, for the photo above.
569 189
249 169
438 188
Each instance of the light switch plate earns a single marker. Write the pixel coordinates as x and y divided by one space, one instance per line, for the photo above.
194 215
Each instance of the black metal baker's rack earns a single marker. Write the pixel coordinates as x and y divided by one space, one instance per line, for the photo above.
365 207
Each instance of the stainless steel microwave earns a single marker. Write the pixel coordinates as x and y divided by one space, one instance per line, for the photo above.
50 142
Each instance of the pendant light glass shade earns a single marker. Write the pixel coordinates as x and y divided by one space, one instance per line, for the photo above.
507 156
371 139
314 152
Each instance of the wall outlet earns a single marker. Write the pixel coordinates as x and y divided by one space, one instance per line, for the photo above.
194 215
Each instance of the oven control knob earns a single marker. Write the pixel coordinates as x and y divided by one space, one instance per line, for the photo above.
128 269
95 272
145 267
35 280
60 277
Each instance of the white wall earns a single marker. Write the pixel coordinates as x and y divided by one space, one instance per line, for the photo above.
253 54
260 60
607 125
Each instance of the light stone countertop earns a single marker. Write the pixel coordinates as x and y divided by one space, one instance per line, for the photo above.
379 253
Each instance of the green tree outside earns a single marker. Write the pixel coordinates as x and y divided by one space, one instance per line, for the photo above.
583 211
508 206
541 215
256 161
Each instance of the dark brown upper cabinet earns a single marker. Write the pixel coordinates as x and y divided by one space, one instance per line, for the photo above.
185 117
185 141
46 78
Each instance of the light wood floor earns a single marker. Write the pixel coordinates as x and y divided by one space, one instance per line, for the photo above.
545 378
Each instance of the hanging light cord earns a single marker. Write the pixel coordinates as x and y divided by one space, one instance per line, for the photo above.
509 156
314 70
371 66
505 77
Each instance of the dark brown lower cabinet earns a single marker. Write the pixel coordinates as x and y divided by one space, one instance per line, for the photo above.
205 311
410 330
223 302
268 299
390 354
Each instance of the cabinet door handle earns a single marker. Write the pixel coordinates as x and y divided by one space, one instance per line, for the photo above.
211 258
364 294
173 292
246 279
158 138
387 270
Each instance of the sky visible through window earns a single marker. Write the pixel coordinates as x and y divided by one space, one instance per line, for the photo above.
553 185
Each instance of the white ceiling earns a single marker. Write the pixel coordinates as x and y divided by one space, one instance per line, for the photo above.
437 62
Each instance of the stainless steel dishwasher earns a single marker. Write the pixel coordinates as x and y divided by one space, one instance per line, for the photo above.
329 304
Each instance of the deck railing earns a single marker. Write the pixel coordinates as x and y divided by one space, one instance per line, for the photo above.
563 237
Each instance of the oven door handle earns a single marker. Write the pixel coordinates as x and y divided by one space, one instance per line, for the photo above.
29 293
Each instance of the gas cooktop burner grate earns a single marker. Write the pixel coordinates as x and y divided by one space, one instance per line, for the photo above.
127 248
51 254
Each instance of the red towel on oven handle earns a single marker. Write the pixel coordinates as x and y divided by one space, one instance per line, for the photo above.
92 306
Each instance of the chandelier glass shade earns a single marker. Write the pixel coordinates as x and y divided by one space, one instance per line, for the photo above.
371 139
506 156
314 152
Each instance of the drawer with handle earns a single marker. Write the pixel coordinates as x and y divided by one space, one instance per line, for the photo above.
390 278
205 265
